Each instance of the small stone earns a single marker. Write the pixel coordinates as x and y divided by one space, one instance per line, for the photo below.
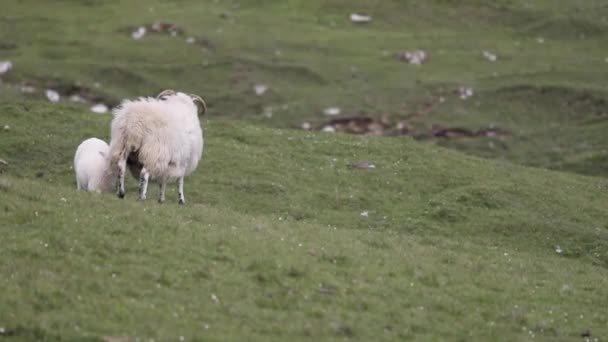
99 108
332 111
364 214
139 33
190 40
260 89
214 298
329 129
558 249
76 98
52 95
7 127
306 126
489 56
360 18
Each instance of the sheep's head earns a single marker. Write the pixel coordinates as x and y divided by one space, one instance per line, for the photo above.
165 93
197 100
200 104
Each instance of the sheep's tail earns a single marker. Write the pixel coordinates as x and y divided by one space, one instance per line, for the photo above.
119 148
119 152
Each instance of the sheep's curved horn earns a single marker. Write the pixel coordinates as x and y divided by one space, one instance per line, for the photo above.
200 103
166 92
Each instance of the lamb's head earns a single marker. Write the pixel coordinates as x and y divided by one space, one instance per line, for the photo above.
172 95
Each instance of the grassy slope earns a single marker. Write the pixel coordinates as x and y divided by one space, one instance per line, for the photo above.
453 247
323 60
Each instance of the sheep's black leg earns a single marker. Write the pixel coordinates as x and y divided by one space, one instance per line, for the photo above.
163 187
144 177
180 190
122 166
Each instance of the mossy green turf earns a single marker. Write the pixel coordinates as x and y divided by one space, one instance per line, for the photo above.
272 244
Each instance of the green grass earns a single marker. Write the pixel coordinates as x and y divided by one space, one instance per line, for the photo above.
273 244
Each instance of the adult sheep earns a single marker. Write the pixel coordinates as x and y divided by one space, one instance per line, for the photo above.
92 166
160 137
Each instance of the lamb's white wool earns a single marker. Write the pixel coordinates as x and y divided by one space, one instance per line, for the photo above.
91 163
161 138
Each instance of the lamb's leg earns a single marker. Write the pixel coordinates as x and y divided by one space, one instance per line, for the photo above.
122 167
144 177
163 187
180 190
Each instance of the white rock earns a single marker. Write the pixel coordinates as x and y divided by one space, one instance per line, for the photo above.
489 56
329 129
260 89
465 92
5 66
190 40
415 57
365 214
360 18
139 33
7 127
52 95
558 249
306 126
540 40
332 111
99 108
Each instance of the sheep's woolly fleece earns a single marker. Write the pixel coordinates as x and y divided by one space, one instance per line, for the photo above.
165 134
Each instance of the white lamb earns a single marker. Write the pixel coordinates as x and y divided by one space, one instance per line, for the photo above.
91 164
159 138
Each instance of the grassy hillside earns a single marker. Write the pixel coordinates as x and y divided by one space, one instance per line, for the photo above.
275 242
282 237
547 86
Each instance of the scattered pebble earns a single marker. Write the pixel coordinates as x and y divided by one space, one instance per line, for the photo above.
332 111
28 89
5 66
2 330
360 18
558 249
214 298
3 162
415 57
52 95
365 214
260 89
540 40
306 126
139 33
489 56
329 129
190 40
99 108
7 127
362 165
63 199
76 98
465 92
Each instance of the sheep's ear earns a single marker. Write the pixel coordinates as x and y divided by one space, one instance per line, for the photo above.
166 92
200 103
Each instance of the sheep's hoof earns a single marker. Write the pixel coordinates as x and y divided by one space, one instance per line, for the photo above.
161 201
141 198
181 201
120 194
